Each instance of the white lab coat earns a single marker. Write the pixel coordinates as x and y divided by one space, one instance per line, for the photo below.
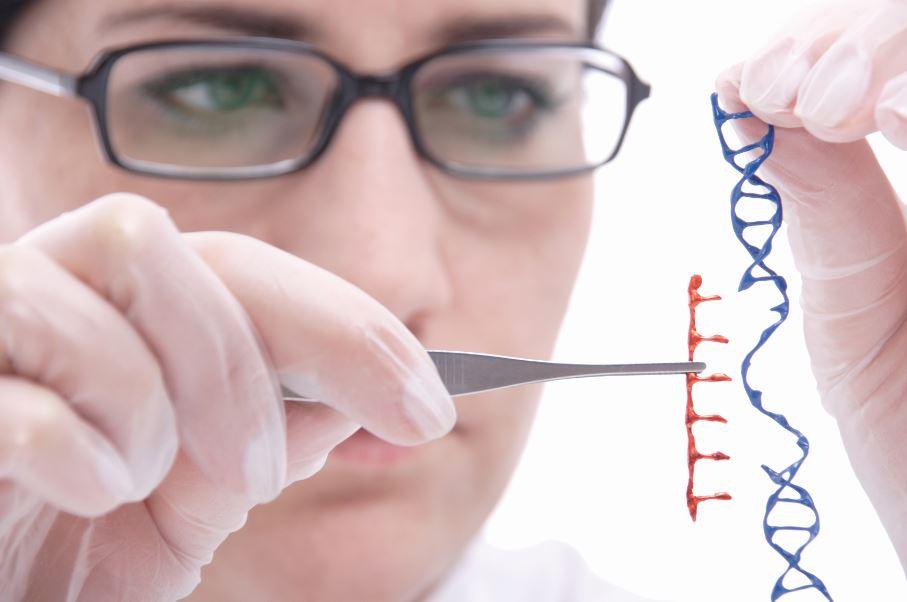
547 572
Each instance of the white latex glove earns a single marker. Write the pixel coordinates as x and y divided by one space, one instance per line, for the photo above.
834 77
140 411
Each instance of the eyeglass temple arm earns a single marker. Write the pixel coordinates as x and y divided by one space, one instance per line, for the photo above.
19 71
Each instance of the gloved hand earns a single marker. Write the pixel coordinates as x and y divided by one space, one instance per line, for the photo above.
140 411
833 77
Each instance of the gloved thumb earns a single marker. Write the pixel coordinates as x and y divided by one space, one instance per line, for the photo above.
847 235
891 111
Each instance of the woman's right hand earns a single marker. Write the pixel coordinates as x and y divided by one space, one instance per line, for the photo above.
140 407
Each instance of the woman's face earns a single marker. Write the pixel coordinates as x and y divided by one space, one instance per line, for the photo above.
470 265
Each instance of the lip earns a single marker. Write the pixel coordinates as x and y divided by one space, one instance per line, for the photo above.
366 449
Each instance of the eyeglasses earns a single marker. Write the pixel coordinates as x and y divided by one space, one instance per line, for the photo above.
243 108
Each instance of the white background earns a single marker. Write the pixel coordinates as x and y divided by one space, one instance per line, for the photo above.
605 469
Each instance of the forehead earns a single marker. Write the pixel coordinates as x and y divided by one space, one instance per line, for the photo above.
369 34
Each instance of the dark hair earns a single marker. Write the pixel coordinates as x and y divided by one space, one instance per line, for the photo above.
10 9
596 16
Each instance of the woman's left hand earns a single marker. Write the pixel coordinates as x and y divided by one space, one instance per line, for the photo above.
837 75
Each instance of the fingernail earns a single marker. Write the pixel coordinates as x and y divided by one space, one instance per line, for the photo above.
112 472
833 90
781 93
304 469
427 402
727 85
425 405
264 466
771 81
891 117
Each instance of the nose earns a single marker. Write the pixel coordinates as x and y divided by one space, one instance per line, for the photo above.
379 223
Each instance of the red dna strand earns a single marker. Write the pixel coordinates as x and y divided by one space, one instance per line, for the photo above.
693 454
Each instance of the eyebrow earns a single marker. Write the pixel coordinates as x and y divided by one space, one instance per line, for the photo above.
262 23
472 28
232 18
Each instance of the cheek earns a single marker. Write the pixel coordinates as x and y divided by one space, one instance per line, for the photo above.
495 426
54 164
517 251
514 252
46 147
50 160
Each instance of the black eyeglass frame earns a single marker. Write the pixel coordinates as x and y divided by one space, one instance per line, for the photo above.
91 85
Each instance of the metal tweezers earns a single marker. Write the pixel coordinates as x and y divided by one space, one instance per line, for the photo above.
463 372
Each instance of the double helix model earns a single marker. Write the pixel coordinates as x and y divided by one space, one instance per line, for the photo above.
787 491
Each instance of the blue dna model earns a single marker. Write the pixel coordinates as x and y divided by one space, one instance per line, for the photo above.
787 491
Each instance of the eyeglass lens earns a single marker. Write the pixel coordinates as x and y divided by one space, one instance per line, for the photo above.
536 111
227 108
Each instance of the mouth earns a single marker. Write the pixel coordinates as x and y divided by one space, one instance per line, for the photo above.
366 449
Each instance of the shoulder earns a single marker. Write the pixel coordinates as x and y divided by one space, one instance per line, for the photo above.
549 572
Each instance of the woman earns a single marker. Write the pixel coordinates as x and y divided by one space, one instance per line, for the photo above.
145 334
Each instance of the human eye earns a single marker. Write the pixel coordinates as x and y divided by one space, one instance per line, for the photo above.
495 97
216 95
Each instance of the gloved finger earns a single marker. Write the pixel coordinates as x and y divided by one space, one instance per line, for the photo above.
837 100
58 332
195 515
47 449
332 342
825 185
229 412
313 430
771 78
849 242
728 85
891 111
